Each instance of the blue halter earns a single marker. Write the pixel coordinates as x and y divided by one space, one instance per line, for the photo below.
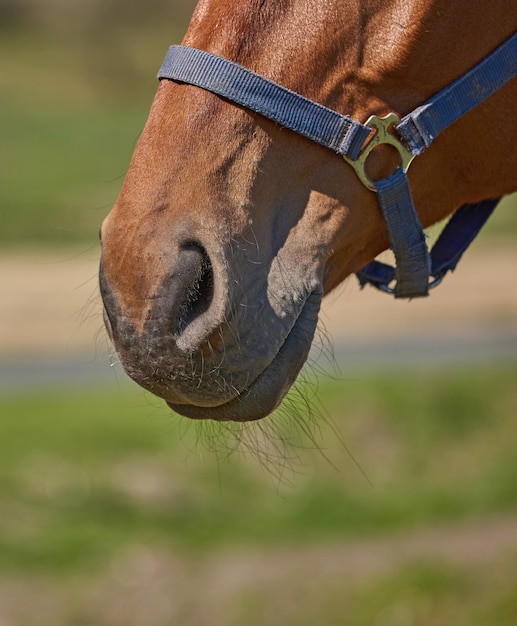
416 269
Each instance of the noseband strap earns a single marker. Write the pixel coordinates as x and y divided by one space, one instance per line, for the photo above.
234 82
416 270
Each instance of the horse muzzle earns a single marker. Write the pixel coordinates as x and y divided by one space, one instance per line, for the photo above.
192 340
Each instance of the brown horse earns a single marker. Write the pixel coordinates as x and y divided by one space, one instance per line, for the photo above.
229 228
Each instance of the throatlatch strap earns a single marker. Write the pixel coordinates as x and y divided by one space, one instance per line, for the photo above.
457 235
425 123
454 240
236 83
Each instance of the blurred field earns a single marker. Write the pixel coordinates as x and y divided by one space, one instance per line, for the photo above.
115 512
381 496
77 81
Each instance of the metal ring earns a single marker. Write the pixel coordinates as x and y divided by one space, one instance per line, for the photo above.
383 135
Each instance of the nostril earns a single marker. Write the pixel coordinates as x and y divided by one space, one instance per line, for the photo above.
199 292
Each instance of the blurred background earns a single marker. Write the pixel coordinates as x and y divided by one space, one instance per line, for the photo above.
384 493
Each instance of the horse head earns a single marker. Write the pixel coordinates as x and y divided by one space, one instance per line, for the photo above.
230 228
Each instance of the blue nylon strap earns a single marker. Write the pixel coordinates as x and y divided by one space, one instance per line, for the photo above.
454 240
379 275
459 233
236 83
425 123
406 236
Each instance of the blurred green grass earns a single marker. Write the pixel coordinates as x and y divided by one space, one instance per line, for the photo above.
64 171
109 495
77 84
421 594
82 475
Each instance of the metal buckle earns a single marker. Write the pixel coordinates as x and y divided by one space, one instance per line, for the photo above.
383 134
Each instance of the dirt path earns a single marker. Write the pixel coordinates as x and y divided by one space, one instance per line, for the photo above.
50 303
